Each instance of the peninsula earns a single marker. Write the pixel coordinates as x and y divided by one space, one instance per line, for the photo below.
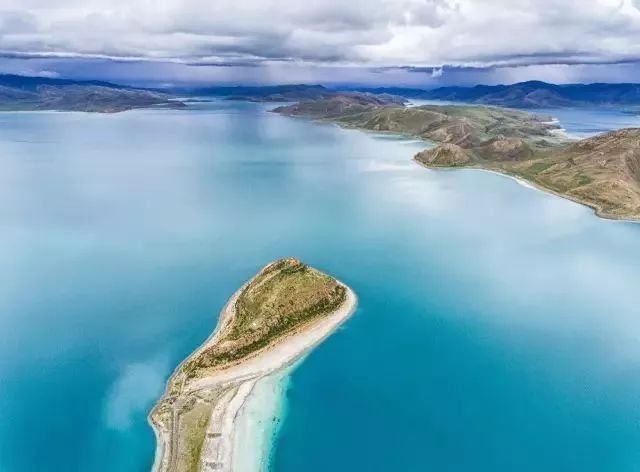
24 93
602 172
269 323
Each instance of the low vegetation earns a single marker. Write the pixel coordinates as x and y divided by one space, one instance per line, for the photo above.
601 172
283 296
194 419
465 126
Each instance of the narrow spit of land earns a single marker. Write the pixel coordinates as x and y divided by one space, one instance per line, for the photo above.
274 319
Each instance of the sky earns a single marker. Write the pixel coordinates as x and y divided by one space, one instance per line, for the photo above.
424 43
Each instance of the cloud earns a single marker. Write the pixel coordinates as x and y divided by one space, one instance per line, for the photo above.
50 74
372 33
437 72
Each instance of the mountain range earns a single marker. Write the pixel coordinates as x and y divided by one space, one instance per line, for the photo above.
22 93
42 93
260 93
531 94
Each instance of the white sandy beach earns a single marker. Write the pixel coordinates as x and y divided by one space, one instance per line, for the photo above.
258 421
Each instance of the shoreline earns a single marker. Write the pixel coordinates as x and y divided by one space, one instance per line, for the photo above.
597 211
229 389
259 420
560 132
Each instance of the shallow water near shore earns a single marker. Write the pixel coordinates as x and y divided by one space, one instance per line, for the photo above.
497 329
258 422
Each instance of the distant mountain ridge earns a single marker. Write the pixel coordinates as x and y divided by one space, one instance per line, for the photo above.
24 93
282 93
44 93
262 93
27 82
531 94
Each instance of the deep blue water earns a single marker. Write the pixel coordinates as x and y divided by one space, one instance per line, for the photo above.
498 327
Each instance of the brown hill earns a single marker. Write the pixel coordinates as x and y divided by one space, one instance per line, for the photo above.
602 172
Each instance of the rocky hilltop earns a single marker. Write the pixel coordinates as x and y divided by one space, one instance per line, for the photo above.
602 172
444 155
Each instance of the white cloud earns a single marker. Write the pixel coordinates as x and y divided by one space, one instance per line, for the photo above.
45 73
358 32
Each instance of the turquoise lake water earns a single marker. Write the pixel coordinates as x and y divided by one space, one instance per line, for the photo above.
498 327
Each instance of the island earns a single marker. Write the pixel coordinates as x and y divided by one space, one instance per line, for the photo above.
602 172
269 323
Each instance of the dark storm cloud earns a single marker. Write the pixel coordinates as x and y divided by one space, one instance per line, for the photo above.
422 35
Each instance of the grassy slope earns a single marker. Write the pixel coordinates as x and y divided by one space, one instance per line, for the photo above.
466 126
462 125
194 420
282 297
602 172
